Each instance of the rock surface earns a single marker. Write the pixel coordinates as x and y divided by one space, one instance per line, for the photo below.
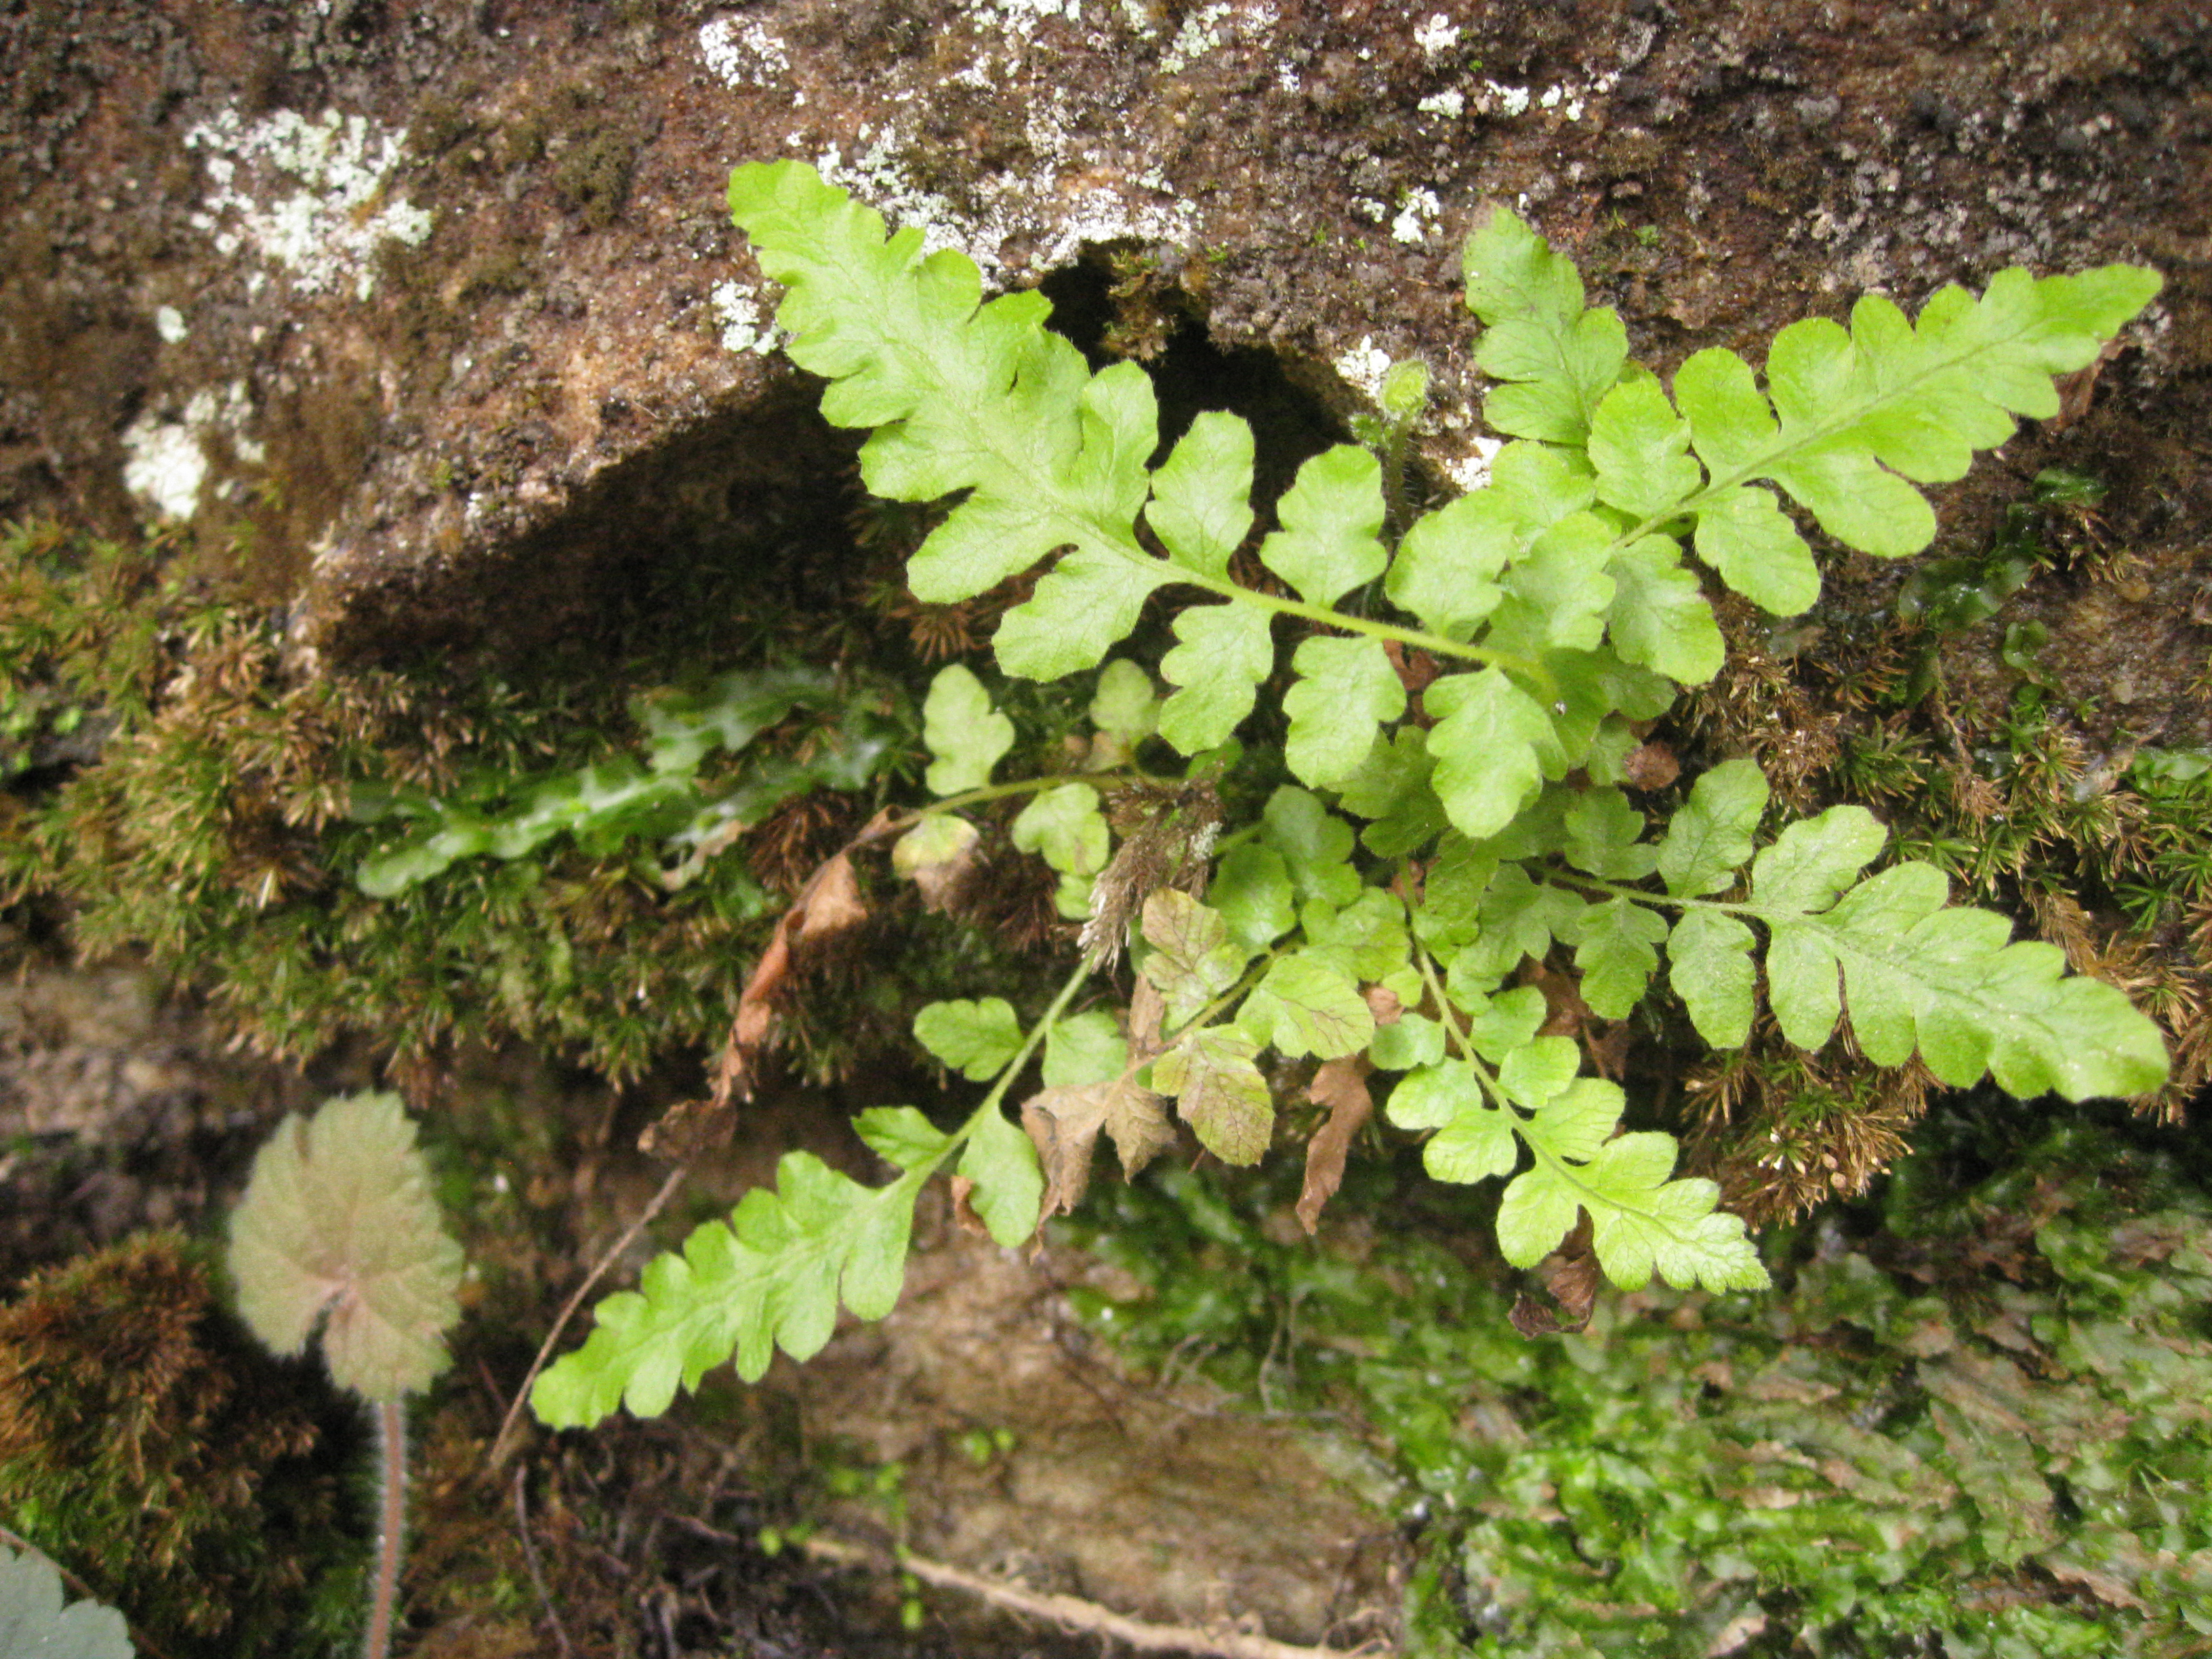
436 310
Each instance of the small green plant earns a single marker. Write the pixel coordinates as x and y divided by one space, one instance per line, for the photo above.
1441 802
616 800
338 1228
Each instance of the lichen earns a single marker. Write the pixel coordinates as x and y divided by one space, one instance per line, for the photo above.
320 209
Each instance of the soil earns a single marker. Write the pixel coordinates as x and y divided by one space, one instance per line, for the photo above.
485 436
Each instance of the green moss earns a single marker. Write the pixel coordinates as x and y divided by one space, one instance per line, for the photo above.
219 826
592 178
1978 1416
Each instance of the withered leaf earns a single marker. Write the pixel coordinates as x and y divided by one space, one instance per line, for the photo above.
831 902
1340 1085
964 1208
828 904
938 855
1219 1091
1148 1012
1572 1277
1650 765
1064 1124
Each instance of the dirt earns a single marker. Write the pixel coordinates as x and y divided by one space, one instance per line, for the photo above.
482 438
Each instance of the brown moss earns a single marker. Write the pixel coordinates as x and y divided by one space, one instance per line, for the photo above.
148 1444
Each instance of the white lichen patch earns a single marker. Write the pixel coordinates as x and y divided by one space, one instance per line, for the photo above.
1471 470
166 461
1420 210
169 324
1026 12
740 53
1568 100
1497 100
165 465
1209 29
307 194
1363 366
1435 37
1450 103
1053 215
745 324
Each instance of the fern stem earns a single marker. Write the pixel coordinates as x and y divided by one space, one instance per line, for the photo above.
1046 1021
1436 645
392 1516
1042 781
1644 896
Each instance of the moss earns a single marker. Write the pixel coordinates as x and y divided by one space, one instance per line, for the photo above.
1974 1414
592 178
219 824
148 1444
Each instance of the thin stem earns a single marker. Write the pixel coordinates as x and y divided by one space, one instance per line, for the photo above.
1397 502
1435 644
991 791
392 1516
1070 1612
1046 1021
530 1560
1643 896
501 1443
1483 1074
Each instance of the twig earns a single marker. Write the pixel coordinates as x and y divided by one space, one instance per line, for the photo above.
530 1560
499 1445
1072 1612
85 1592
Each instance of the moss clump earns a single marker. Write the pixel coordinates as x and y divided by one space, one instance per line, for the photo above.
220 822
212 830
147 1444
1978 1417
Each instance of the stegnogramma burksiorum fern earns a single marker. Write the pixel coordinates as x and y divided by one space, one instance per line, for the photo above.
1427 843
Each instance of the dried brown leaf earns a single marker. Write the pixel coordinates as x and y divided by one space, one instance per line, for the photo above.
1566 1013
1064 1124
1572 1277
1650 765
1340 1085
1148 1012
964 1208
941 856
830 902
2077 390
1417 670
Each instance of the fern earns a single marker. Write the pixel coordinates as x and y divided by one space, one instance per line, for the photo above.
1430 841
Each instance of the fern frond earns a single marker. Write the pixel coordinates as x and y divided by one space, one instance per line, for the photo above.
770 1276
